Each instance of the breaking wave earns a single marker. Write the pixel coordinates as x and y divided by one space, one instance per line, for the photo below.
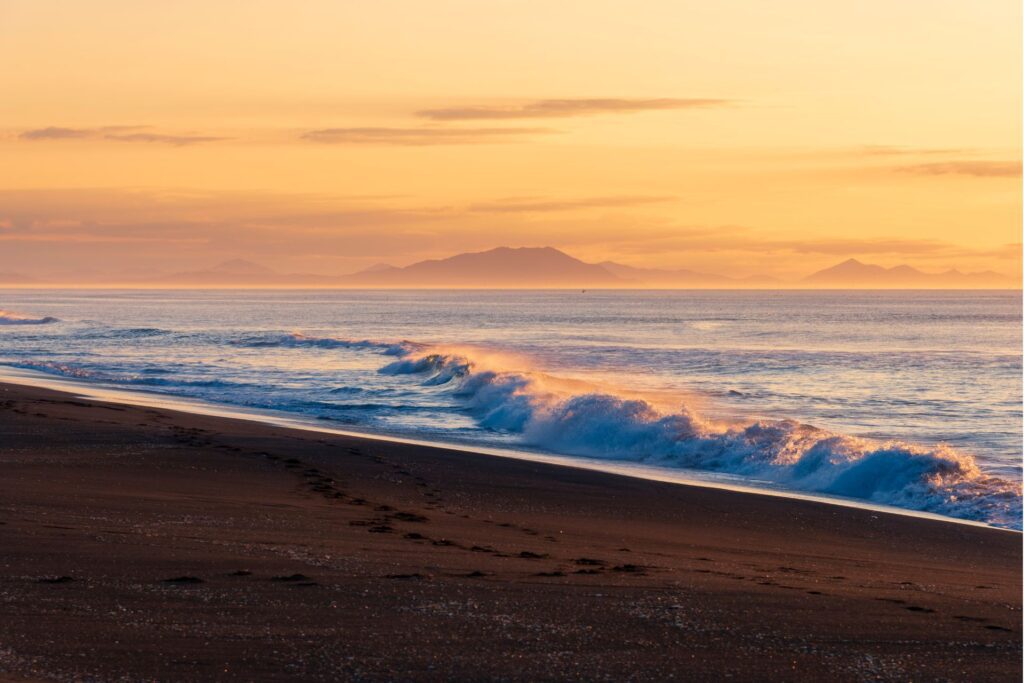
549 413
297 339
12 318
508 396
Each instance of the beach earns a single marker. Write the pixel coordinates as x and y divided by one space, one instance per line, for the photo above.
142 543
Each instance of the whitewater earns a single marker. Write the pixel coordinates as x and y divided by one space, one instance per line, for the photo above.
902 399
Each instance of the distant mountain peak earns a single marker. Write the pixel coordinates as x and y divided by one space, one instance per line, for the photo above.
15 278
854 274
377 267
239 266
497 267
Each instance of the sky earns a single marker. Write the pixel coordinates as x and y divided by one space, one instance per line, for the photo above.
325 136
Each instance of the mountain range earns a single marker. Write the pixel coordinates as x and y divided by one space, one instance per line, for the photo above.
851 273
547 267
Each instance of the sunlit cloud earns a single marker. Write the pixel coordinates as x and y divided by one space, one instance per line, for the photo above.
174 140
117 134
417 137
535 205
978 169
561 108
57 133
896 150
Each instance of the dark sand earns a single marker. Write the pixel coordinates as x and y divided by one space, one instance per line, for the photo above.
144 544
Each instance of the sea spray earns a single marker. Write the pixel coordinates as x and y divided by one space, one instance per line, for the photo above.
936 479
949 364
12 318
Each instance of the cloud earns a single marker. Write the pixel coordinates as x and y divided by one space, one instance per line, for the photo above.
116 133
175 140
530 205
417 137
894 150
978 169
561 108
56 133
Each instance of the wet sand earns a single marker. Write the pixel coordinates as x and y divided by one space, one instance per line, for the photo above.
138 543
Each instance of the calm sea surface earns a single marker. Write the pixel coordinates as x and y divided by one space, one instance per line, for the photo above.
910 399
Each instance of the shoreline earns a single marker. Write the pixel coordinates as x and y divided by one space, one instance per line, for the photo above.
680 476
150 543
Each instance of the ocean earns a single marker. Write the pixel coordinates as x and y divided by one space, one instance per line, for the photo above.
905 399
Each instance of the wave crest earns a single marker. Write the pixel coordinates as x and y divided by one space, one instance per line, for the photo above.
297 339
12 318
595 423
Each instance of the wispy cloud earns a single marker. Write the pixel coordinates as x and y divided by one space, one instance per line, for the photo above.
416 137
117 134
979 169
535 205
175 140
896 150
561 108
741 239
56 133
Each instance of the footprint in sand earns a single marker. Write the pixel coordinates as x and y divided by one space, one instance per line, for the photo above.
409 517
55 579
183 580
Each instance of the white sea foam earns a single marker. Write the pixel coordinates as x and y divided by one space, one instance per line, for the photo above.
12 318
547 413
507 396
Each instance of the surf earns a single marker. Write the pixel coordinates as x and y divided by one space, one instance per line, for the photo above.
564 417
13 318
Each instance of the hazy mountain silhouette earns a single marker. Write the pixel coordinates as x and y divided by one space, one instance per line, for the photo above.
377 267
656 277
854 274
16 279
240 273
241 267
536 267
501 267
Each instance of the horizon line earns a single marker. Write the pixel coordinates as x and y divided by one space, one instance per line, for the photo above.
581 287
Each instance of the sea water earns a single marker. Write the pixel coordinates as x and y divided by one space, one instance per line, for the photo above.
909 399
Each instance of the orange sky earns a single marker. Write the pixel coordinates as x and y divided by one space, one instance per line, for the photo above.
324 136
